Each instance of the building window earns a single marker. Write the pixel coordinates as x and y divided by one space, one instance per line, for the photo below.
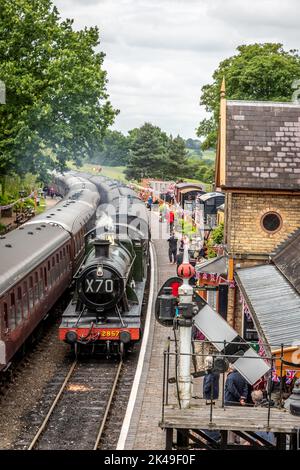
271 222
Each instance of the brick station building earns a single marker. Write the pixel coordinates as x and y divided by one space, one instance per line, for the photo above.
258 168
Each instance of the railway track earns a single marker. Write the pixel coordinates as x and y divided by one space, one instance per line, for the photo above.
78 414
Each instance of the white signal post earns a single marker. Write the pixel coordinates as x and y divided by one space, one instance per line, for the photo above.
185 292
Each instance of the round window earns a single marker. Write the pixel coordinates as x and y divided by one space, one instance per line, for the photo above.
271 222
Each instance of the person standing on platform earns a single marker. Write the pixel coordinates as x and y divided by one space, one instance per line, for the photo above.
210 382
171 218
236 392
172 248
150 202
236 388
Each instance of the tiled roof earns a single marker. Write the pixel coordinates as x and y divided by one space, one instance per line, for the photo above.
263 145
287 259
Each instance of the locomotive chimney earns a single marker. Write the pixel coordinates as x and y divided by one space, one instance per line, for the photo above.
101 248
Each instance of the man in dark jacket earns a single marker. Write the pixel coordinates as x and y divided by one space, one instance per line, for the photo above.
172 248
236 388
210 382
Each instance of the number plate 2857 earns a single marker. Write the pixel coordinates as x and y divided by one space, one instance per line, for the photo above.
109 333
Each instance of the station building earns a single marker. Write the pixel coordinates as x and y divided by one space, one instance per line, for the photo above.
258 169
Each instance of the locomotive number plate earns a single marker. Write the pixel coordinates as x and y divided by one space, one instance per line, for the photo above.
109 333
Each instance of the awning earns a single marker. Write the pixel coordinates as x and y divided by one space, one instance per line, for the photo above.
216 265
274 304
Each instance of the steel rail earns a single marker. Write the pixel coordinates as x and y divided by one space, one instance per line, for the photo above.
108 406
44 423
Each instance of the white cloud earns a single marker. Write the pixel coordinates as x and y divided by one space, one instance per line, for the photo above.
159 53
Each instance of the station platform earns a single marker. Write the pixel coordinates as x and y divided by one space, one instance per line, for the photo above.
157 422
144 431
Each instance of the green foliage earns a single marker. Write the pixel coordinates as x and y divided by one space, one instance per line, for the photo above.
194 144
217 234
216 238
57 106
152 154
114 150
186 228
176 163
29 203
148 149
257 72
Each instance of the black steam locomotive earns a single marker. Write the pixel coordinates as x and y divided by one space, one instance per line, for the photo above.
105 312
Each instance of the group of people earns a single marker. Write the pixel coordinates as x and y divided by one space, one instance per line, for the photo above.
236 387
237 392
176 257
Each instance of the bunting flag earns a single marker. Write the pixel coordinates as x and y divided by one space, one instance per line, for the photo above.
290 375
212 278
275 377
204 277
246 311
261 350
260 384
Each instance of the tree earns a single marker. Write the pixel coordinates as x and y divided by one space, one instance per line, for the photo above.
193 144
57 106
257 72
148 147
114 151
177 158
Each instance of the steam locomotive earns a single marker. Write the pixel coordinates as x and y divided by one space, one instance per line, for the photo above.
104 315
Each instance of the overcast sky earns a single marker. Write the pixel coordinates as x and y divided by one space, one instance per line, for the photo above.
159 53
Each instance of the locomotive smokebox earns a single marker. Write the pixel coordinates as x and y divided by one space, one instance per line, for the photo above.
101 248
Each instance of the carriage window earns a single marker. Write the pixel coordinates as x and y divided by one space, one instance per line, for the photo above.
25 300
64 252
19 306
41 285
36 288
12 312
57 269
30 294
45 278
5 317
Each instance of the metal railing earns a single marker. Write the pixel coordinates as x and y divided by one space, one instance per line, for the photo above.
174 355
